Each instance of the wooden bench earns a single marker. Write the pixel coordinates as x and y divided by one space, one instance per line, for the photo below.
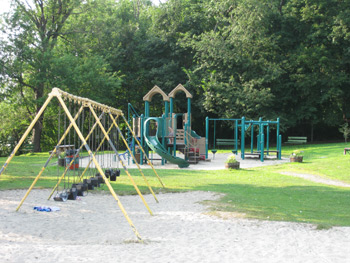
296 140
346 150
27 148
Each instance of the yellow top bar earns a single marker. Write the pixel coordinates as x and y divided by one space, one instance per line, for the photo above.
84 101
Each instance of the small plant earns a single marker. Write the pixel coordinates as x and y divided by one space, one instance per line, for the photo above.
345 130
296 156
297 153
231 159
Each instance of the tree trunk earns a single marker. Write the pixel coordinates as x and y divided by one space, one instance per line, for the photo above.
37 131
312 132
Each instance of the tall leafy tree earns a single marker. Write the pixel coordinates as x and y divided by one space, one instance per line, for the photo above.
236 58
42 52
33 31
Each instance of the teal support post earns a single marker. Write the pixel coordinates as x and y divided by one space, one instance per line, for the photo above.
171 107
242 137
236 136
261 130
142 139
207 136
252 139
278 134
214 134
189 112
258 142
166 111
280 147
162 126
262 147
132 146
171 111
268 137
146 109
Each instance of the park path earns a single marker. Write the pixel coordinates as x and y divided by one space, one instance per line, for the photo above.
317 179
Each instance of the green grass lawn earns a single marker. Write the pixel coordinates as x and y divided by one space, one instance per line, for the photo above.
261 193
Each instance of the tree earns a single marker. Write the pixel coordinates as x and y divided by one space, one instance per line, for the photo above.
345 130
33 32
42 51
236 58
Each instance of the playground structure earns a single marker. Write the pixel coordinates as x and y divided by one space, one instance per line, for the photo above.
105 120
240 127
167 134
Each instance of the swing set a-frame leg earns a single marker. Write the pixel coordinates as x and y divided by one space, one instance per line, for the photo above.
120 160
48 160
73 159
24 136
132 155
97 149
98 166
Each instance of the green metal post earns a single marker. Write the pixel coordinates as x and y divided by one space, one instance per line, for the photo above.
142 140
189 112
214 134
162 126
236 136
268 137
146 109
252 138
207 136
166 111
132 145
280 147
242 137
278 135
262 147
171 107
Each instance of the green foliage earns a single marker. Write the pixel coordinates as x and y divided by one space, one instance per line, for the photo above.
345 130
231 159
252 58
296 153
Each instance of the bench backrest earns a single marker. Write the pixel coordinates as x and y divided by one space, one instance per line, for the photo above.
225 140
297 139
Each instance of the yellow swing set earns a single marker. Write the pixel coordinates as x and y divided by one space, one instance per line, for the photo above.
92 107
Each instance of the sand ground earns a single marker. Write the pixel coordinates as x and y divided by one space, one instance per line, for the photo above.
93 229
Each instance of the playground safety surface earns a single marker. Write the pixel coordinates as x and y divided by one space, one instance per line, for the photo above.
214 163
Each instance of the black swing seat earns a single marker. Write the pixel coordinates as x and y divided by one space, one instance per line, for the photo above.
73 193
81 188
62 197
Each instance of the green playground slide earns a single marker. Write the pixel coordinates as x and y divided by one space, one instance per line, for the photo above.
156 146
